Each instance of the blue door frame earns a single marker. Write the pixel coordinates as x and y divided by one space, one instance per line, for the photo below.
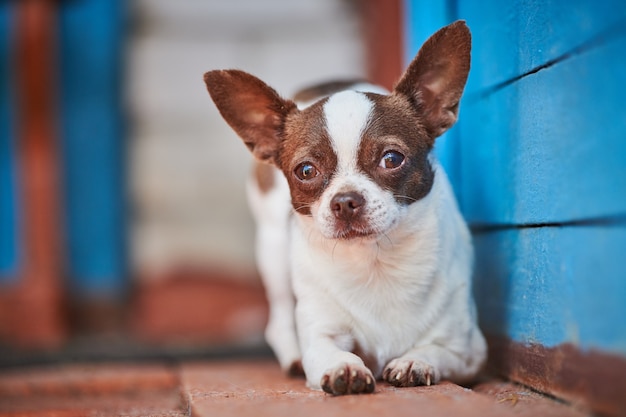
93 141
92 35
9 237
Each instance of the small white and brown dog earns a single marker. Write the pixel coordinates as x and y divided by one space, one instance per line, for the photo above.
366 259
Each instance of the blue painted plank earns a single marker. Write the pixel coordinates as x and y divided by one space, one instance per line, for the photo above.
531 152
91 47
514 163
9 241
511 38
550 147
421 20
495 41
547 148
554 285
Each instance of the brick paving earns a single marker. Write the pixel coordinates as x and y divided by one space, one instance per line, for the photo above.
92 390
242 388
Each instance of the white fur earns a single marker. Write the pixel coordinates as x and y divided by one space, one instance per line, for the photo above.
402 297
271 211
346 116
361 87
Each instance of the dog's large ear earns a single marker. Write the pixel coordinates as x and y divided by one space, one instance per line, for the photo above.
435 79
252 108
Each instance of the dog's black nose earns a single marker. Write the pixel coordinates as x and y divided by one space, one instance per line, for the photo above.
346 205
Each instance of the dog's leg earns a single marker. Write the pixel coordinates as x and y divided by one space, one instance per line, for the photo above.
268 195
334 370
428 364
272 258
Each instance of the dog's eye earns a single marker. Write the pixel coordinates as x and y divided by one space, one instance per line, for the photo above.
391 159
306 171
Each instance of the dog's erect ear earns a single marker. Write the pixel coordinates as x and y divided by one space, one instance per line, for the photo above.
252 108
434 81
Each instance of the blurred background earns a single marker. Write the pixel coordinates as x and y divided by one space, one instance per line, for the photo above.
123 214
124 230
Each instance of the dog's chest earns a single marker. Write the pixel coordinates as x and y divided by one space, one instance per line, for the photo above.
380 295
387 304
386 317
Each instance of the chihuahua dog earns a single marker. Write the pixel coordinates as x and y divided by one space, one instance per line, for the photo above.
366 259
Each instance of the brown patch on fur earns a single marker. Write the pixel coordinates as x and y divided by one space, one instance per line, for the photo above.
424 104
322 90
253 109
394 125
435 79
275 131
306 140
264 176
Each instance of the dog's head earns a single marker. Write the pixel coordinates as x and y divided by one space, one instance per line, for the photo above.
353 160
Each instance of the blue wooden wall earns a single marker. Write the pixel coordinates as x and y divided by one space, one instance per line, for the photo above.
92 145
538 162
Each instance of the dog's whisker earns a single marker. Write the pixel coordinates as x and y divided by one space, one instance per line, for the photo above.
405 197
334 247
377 251
388 239
299 206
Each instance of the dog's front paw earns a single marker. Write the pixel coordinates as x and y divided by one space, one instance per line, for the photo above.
348 379
410 373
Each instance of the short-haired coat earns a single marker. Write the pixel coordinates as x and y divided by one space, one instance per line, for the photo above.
366 260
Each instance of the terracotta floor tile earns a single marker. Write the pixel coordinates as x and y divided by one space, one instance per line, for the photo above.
87 379
260 389
156 404
524 402
243 388
92 390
